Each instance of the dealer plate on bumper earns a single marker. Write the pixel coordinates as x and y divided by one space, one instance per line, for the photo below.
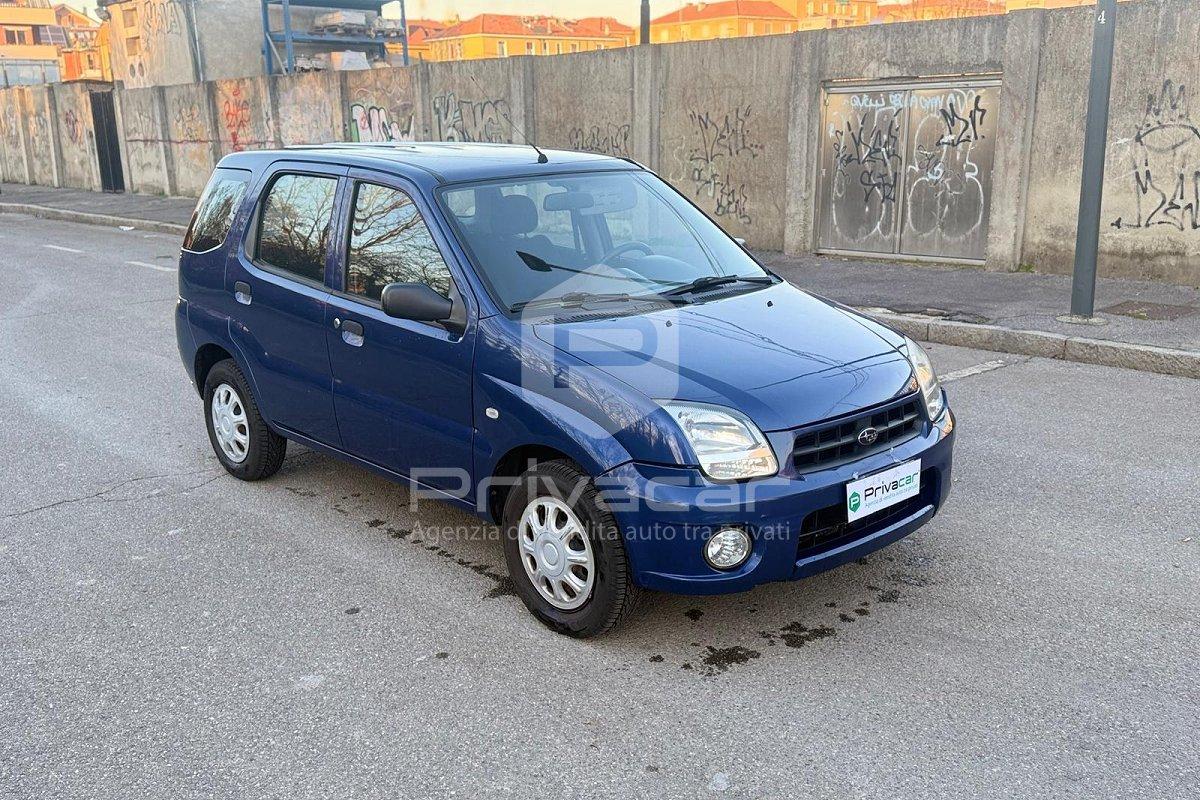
876 492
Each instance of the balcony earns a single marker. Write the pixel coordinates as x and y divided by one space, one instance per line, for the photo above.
29 52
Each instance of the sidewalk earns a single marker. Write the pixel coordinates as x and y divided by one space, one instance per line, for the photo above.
1150 326
1136 312
149 212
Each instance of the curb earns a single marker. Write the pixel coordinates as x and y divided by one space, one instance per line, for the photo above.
1141 357
88 218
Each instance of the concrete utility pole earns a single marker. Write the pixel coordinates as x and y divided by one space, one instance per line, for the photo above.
645 35
1091 191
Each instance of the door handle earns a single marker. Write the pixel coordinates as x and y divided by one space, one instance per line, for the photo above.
241 292
352 332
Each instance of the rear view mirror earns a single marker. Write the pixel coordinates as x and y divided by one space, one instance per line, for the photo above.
415 301
568 201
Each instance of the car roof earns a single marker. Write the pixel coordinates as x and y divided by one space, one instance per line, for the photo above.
444 162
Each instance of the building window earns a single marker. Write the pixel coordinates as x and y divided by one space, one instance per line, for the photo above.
749 28
546 47
529 48
502 49
574 47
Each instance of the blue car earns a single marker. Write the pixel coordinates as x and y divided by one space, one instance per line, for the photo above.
565 345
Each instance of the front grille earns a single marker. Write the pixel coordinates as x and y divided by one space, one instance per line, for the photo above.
827 528
834 443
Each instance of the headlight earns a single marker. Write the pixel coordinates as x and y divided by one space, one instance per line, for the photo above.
931 390
729 446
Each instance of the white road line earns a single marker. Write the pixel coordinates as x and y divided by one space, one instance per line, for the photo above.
158 267
967 372
60 247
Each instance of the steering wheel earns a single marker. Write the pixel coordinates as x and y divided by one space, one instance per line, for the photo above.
622 249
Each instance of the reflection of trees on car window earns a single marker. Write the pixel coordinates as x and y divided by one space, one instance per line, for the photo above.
214 214
296 224
389 243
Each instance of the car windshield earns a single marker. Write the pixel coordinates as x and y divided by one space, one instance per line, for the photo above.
603 236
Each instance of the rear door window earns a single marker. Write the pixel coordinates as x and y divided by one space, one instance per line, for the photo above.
295 225
214 214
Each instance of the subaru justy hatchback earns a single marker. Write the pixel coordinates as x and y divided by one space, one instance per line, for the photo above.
566 346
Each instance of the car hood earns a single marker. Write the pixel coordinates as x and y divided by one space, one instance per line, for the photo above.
781 356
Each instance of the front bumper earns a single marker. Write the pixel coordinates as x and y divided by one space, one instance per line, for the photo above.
796 521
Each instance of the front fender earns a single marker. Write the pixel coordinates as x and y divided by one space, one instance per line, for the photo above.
527 392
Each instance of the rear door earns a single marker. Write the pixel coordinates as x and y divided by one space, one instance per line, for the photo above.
278 279
402 389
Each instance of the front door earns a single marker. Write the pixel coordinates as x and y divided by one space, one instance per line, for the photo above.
402 389
281 309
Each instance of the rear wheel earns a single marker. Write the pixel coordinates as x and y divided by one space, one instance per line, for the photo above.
565 552
244 444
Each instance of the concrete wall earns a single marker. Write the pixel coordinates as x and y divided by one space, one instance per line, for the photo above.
599 87
735 125
191 136
12 139
1151 213
146 150
723 130
41 145
476 101
309 108
380 105
76 136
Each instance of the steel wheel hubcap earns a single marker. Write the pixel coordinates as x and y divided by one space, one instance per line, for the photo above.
229 423
556 553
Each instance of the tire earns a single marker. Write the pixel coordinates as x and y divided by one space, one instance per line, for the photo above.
258 451
609 595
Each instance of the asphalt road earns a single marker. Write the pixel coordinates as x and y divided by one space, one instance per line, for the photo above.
168 631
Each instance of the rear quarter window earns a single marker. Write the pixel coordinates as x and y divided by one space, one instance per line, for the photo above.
213 217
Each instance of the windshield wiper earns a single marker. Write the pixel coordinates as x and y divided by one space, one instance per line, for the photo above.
571 299
713 281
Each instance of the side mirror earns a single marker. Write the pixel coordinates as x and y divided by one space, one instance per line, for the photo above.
415 301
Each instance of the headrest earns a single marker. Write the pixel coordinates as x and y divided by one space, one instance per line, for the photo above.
514 214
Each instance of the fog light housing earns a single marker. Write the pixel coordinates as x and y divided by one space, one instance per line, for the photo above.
728 548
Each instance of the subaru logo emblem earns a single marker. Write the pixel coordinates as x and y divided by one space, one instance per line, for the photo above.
868 436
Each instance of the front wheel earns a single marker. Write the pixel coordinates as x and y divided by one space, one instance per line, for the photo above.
565 553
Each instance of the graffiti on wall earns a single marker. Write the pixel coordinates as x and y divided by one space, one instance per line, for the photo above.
715 152
235 117
866 169
908 171
375 124
609 139
162 38
945 196
1163 156
457 120
72 127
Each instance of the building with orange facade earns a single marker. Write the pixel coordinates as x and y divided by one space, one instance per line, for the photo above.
29 39
499 35
81 56
924 10
419 33
1017 5
721 20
